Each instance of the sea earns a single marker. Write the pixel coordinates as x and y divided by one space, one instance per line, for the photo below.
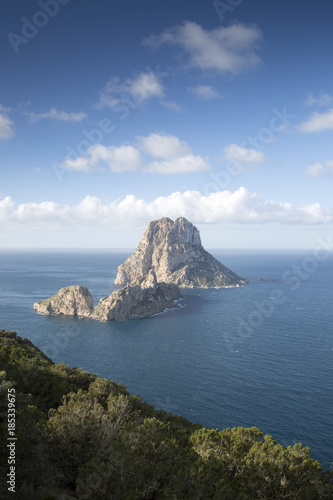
259 355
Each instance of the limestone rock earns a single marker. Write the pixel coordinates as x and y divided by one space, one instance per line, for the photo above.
72 301
173 250
142 298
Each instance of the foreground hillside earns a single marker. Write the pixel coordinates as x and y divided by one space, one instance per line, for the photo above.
80 436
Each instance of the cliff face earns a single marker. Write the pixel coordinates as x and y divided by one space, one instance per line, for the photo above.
138 299
142 298
173 250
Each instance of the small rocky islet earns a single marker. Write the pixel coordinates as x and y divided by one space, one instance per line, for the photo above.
169 256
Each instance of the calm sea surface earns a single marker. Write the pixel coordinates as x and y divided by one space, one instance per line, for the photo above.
260 355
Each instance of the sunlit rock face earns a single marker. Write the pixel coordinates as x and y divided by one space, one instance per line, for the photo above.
173 251
71 301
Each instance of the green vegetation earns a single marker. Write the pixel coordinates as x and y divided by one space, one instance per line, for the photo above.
80 436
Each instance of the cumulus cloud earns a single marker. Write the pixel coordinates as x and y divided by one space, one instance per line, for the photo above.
140 89
240 206
54 114
119 159
318 122
6 125
205 92
164 154
322 100
179 165
319 169
225 49
163 146
243 158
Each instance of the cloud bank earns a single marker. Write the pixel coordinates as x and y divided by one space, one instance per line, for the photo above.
239 207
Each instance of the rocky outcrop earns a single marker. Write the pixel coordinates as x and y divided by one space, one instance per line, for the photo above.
145 297
173 251
71 301
142 298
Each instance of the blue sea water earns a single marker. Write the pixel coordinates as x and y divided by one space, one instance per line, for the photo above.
259 355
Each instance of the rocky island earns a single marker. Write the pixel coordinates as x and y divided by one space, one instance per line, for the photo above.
170 255
144 297
173 250
71 301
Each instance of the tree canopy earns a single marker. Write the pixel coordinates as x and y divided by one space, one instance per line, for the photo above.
81 436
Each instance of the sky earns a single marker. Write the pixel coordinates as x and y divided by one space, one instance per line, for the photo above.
113 114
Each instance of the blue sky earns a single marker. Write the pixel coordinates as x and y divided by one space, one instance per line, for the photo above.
116 113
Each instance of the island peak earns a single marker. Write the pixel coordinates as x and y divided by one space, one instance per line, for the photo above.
174 252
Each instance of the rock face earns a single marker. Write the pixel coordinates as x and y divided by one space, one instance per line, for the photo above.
142 298
71 300
173 250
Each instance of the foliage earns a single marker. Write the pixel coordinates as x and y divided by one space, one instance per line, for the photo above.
84 437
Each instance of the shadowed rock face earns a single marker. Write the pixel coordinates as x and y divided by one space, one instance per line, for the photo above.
142 298
173 250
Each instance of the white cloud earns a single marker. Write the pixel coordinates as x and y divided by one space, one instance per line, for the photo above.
54 114
163 146
179 165
118 158
318 169
322 100
123 158
231 49
318 122
240 206
80 164
205 92
6 125
175 157
242 157
7 207
140 89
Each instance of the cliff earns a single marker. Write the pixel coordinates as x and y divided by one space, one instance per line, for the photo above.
173 251
142 298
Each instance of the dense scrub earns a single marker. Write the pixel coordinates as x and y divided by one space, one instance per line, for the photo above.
80 436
